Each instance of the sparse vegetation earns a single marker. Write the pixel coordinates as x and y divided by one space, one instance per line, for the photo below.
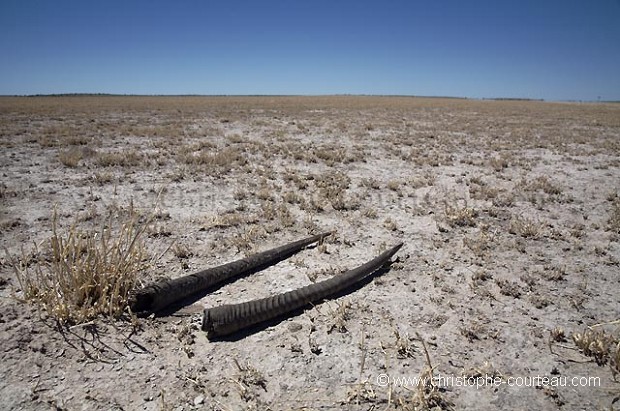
248 378
84 273
71 157
602 347
614 217
509 288
118 159
340 317
525 227
182 251
427 395
482 243
214 161
390 224
460 216
509 213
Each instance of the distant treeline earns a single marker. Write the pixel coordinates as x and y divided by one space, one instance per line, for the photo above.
513 99
232 95
295 95
76 95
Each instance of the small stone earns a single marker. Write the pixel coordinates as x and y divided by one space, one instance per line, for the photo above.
199 400
294 327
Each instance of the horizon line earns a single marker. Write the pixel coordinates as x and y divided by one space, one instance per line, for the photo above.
302 95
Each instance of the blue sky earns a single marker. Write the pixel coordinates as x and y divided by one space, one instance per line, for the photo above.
550 49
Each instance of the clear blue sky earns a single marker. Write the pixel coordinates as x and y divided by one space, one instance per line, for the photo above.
551 49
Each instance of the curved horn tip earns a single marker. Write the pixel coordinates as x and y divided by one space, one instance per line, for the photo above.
395 249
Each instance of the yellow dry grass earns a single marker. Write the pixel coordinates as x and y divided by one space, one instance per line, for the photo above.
84 273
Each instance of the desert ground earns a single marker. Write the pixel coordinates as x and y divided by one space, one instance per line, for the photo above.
509 212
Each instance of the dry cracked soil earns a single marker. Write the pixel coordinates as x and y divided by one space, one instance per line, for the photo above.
505 294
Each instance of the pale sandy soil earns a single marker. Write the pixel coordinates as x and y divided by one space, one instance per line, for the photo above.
509 212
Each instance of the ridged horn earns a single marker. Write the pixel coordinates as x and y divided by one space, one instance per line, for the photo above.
161 295
227 319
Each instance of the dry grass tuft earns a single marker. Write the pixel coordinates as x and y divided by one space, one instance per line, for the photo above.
340 317
120 158
87 272
482 243
390 224
598 345
509 288
525 227
229 219
427 395
557 335
554 273
404 347
250 375
247 380
614 361
71 157
614 216
545 185
182 251
460 216
213 161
